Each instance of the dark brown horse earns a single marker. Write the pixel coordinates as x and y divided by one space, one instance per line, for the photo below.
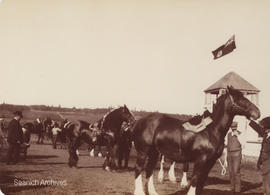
110 126
196 124
159 133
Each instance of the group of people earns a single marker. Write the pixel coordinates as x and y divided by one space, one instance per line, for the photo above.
15 139
234 142
124 143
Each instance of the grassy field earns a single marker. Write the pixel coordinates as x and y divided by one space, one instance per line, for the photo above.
45 164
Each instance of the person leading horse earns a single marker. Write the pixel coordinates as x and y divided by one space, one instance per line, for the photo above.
110 126
159 133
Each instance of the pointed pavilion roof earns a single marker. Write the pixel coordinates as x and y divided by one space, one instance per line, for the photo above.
232 79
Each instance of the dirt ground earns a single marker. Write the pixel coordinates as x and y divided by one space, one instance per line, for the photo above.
45 171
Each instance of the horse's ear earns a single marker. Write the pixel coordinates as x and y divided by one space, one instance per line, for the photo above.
125 106
230 89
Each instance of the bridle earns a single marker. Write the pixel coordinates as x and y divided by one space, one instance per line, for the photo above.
234 105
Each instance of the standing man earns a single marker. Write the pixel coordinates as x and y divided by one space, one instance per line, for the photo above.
55 134
15 138
124 145
234 142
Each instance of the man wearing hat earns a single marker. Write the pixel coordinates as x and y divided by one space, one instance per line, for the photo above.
15 138
233 156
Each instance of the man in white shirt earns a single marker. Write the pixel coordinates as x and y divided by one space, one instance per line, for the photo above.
55 131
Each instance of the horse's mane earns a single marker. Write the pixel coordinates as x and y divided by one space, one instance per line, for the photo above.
218 107
110 114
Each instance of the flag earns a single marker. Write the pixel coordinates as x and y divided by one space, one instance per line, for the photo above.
228 47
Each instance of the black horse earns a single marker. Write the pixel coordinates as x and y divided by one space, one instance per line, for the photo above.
109 126
159 133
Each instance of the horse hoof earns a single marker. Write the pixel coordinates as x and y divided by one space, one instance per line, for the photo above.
183 187
160 180
139 192
107 168
173 181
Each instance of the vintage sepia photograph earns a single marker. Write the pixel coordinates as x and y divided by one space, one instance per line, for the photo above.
134 97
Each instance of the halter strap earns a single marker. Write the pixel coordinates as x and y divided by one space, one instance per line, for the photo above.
233 103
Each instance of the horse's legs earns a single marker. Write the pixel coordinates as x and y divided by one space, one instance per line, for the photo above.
115 149
109 162
126 155
42 137
172 177
72 147
87 139
120 156
106 164
141 158
25 153
39 136
99 151
161 170
91 148
151 164
198 169
196 172
184 181
203 176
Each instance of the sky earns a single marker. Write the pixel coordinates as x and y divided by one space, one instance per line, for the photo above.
149 55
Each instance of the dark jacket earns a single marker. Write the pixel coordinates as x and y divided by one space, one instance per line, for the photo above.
264 158
15 133
125 140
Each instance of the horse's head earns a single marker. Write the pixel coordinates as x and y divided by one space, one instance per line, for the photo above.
126 114
240 105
